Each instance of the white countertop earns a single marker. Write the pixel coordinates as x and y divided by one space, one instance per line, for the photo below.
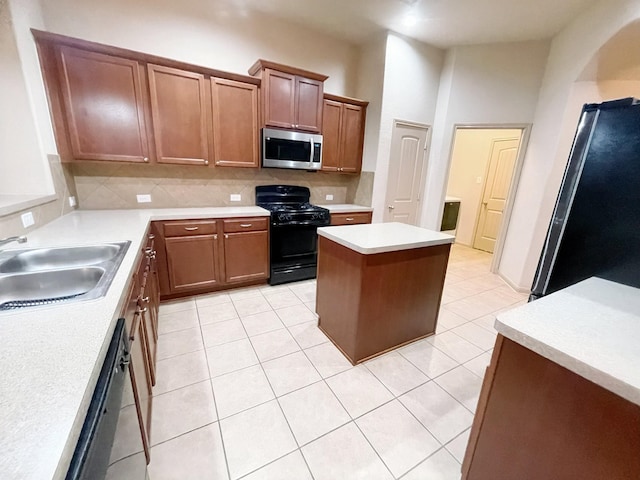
384 237
346 208
50 356
591 328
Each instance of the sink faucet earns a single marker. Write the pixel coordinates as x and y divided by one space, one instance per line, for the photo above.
20 239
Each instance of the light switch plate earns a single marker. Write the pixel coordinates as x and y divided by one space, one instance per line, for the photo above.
72 201
328 197
27 219
144 198
235 197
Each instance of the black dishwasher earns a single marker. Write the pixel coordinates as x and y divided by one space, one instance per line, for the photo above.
91 457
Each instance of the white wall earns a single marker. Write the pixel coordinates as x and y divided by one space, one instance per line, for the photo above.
549 145
469 164
411 80
207 34
481 84
370 87
23 147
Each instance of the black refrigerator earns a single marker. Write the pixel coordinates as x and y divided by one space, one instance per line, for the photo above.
595 228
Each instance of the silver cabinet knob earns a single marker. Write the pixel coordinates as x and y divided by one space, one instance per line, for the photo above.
146 159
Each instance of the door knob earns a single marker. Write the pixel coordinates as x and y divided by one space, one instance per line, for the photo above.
391 207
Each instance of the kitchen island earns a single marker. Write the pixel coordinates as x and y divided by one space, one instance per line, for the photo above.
561 397
379 285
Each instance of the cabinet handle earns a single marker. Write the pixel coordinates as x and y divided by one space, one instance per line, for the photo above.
146 159
245 225
215 237
142 310
226 236
206 162
151 236
349 219
145 299
191 229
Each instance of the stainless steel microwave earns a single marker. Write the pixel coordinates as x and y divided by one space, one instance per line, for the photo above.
287 149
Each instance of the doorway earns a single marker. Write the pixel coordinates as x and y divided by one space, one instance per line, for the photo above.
484 167
407 164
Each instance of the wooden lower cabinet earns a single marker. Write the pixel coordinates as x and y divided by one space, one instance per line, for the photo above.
192 262
196 256
353 218
139 371
246 256
537 420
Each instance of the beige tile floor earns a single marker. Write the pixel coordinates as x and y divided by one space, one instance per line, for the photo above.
248 387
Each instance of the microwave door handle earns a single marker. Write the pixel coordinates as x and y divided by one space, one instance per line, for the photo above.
312 151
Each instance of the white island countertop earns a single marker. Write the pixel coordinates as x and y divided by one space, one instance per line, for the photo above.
374 238
591 328
51 356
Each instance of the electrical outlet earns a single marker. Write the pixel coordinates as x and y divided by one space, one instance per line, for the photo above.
72 201
235 197
144 198
328 197
27 219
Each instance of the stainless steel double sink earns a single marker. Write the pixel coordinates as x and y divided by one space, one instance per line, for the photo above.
44 276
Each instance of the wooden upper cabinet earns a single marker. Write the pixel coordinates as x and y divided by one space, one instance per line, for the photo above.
352 138
279 99
308 104
235 123
104 106
343 134
331 120
292 98
180 110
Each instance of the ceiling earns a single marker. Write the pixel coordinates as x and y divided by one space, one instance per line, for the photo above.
442 23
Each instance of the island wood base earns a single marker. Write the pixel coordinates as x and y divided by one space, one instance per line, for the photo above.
537 420
370 304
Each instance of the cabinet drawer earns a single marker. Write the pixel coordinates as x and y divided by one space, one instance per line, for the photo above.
350 218
192 227
245 224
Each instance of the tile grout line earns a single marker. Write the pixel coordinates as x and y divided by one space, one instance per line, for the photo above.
275 397
215 404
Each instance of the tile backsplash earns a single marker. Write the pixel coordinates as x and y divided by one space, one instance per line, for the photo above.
42 214
113 186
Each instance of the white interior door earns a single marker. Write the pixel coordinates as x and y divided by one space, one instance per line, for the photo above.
501 165
406 166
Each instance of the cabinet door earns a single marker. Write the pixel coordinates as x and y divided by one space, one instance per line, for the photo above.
351 139
141 376
331 117
246 256
235 123
151 342
280 101
308 104
192 262
138 372
104 106
180 110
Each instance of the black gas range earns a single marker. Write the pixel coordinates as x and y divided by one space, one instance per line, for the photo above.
293 242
